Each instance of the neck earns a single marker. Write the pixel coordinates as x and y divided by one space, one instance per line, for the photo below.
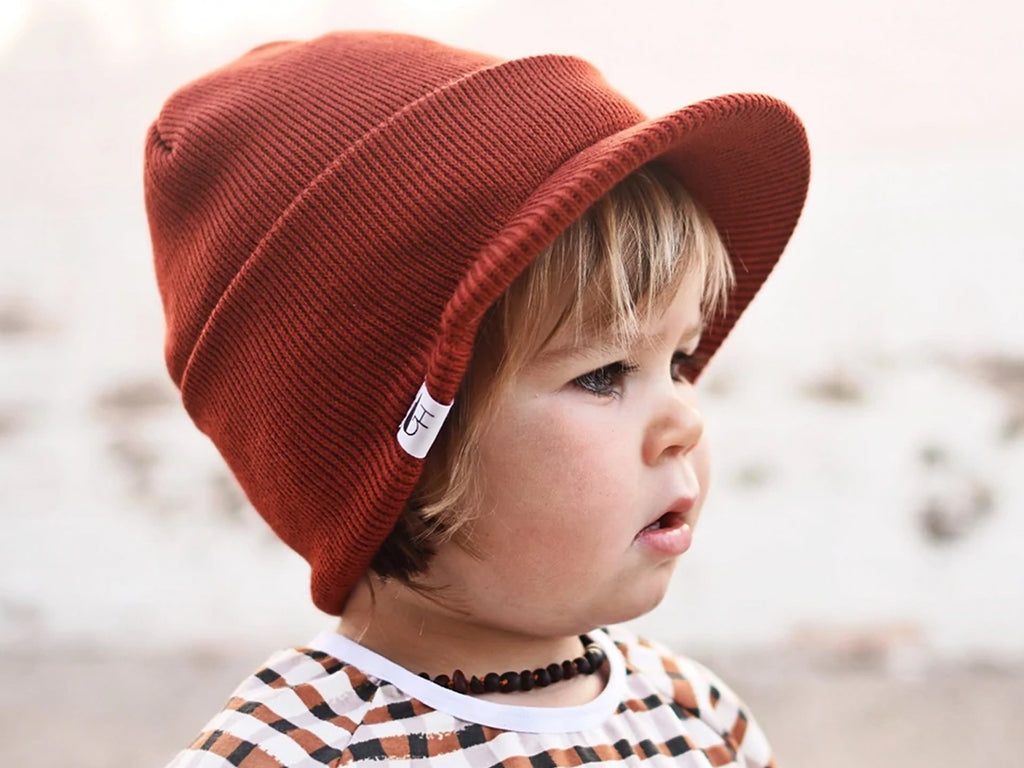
424 634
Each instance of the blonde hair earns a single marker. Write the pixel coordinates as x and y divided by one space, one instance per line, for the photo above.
621 261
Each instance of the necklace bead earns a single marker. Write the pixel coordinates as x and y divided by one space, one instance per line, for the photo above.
591 661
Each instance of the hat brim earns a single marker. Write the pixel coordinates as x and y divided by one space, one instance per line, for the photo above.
744 157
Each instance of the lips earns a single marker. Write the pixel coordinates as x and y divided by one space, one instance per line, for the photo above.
670 534
668 520
675 516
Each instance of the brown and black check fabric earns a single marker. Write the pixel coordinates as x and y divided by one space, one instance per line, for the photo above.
306 708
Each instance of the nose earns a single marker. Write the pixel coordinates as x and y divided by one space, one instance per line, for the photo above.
675 428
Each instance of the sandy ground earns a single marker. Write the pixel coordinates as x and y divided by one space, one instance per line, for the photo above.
92 711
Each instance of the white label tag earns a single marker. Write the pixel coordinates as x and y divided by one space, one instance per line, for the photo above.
422 423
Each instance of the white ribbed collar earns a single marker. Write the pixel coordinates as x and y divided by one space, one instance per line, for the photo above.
504 716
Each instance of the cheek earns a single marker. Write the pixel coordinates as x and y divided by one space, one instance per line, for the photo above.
546 465
543 439
536 459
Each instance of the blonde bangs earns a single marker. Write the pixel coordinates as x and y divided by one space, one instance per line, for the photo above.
621 262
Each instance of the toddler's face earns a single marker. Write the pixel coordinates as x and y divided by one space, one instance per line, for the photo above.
593 475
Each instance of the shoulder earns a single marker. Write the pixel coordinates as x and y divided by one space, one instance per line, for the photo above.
300 708
697 692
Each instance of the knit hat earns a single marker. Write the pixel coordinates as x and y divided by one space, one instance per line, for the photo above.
330 220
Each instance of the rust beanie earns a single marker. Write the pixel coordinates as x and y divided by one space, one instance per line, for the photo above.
331 218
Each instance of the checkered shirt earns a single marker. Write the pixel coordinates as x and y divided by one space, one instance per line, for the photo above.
308 708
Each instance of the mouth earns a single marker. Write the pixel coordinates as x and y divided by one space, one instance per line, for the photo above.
671 533
677 515
669 520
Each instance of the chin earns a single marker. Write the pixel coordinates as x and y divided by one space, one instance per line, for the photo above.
641 598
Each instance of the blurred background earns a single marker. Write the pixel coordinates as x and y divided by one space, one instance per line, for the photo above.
857 576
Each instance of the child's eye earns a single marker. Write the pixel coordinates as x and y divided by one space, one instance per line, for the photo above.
605 381
684 366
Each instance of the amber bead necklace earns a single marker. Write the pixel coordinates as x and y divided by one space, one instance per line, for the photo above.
590 662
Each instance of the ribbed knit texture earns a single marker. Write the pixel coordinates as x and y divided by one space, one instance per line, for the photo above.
330 220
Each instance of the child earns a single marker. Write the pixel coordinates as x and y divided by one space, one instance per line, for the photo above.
364 237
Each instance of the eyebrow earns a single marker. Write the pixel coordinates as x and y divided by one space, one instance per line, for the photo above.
586 348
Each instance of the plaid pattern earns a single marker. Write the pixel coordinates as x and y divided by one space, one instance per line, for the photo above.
306 708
